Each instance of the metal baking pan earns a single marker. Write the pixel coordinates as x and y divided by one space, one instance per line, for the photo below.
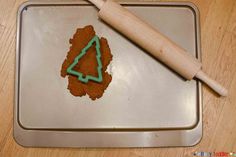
146 105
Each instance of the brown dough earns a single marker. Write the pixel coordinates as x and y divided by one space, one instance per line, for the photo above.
87 64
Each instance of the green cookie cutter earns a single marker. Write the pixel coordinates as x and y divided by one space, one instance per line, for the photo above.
98 57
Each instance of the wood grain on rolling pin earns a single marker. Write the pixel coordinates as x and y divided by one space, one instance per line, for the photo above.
150 39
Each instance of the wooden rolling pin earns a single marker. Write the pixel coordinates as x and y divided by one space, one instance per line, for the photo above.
154 42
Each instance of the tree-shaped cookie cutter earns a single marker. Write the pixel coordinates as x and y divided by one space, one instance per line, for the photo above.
98 57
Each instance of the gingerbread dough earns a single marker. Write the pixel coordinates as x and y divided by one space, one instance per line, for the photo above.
87 64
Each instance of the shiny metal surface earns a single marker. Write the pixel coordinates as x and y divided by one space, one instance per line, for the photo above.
146 104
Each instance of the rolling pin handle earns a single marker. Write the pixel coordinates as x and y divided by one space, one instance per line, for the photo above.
97 3
212 83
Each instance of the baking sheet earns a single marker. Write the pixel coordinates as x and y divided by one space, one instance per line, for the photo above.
143 95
